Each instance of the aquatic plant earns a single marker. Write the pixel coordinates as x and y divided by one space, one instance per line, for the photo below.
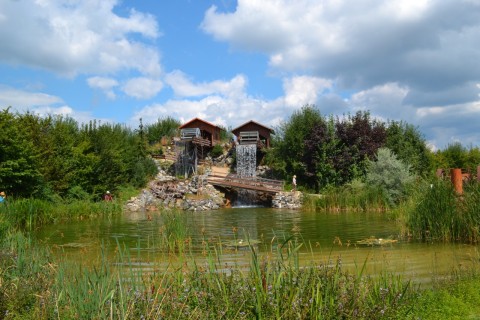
273 286
355 196
31 213
174 231
437 212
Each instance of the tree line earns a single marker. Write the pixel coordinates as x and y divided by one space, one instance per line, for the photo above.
327 151
54 156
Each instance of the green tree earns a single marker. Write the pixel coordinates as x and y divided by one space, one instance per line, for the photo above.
164 127
19 174
289 143
389 174
320 154
408 144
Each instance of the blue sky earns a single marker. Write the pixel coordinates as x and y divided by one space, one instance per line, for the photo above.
232 61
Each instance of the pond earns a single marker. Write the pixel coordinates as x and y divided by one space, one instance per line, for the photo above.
325 237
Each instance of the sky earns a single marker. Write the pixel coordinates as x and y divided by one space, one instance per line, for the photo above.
229 62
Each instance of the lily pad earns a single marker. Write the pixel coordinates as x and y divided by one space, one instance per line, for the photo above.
376 241
240 243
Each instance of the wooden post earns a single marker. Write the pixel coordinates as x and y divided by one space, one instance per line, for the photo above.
456 176
478 174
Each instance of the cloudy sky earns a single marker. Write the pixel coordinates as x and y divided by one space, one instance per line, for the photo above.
229 61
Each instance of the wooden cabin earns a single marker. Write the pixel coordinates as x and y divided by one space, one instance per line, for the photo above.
201 132
253 132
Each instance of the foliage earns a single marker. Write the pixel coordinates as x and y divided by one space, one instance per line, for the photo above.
458 156
164 127
325 152
355 196
53 155
437 213
409 146
19 160
390 175
217 151
226 134
359 139
289 143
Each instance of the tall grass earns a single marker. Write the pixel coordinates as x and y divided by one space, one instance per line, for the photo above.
175 231
274 286
353 197
28 214
436 213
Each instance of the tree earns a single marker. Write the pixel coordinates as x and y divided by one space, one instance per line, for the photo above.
320 152
19 174
389 174
408 144
164 127
359 139
289 143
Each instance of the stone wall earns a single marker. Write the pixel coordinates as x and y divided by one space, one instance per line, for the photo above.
287 200
166 191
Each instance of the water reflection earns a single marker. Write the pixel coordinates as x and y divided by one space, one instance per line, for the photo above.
324 237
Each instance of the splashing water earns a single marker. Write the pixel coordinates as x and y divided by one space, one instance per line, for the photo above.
246 160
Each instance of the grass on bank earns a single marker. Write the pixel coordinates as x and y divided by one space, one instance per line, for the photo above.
435 212
28 213
273 287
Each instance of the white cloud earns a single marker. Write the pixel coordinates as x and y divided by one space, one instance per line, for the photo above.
410 60
23 100
303 90
142 88
183 86
69 37
40 103
105 84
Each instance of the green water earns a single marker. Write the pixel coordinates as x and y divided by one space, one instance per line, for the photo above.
325 238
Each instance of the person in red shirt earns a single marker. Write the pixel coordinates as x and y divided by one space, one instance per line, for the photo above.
107 196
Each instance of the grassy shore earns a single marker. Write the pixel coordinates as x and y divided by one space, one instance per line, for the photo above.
34 284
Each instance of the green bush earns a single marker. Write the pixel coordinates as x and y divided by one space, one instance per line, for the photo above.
216 151
390 175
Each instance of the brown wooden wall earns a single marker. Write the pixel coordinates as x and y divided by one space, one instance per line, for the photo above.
263 132
207 130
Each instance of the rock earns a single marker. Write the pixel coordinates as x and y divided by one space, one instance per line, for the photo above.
290 200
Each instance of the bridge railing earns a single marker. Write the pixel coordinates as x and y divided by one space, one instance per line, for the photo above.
255 182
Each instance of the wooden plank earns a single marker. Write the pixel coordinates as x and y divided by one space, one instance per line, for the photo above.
259 184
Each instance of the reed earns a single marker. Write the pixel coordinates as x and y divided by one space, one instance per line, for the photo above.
28 214
174 231
273 286
354 197
437 213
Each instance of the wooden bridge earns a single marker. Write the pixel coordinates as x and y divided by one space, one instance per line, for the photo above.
249 183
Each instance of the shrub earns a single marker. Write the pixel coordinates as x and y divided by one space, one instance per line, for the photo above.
390 175
216 151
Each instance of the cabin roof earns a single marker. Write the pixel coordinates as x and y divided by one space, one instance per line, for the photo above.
237 129
198 119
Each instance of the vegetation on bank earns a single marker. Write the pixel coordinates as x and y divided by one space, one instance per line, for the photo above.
274 286
34 285
54 157
54 169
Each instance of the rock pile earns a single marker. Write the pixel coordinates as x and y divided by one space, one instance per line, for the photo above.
168 192
287 200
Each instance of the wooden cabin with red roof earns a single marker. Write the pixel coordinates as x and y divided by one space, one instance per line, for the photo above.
253 132
201 132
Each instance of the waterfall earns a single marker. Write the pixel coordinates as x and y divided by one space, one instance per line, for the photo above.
246 198
246 160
